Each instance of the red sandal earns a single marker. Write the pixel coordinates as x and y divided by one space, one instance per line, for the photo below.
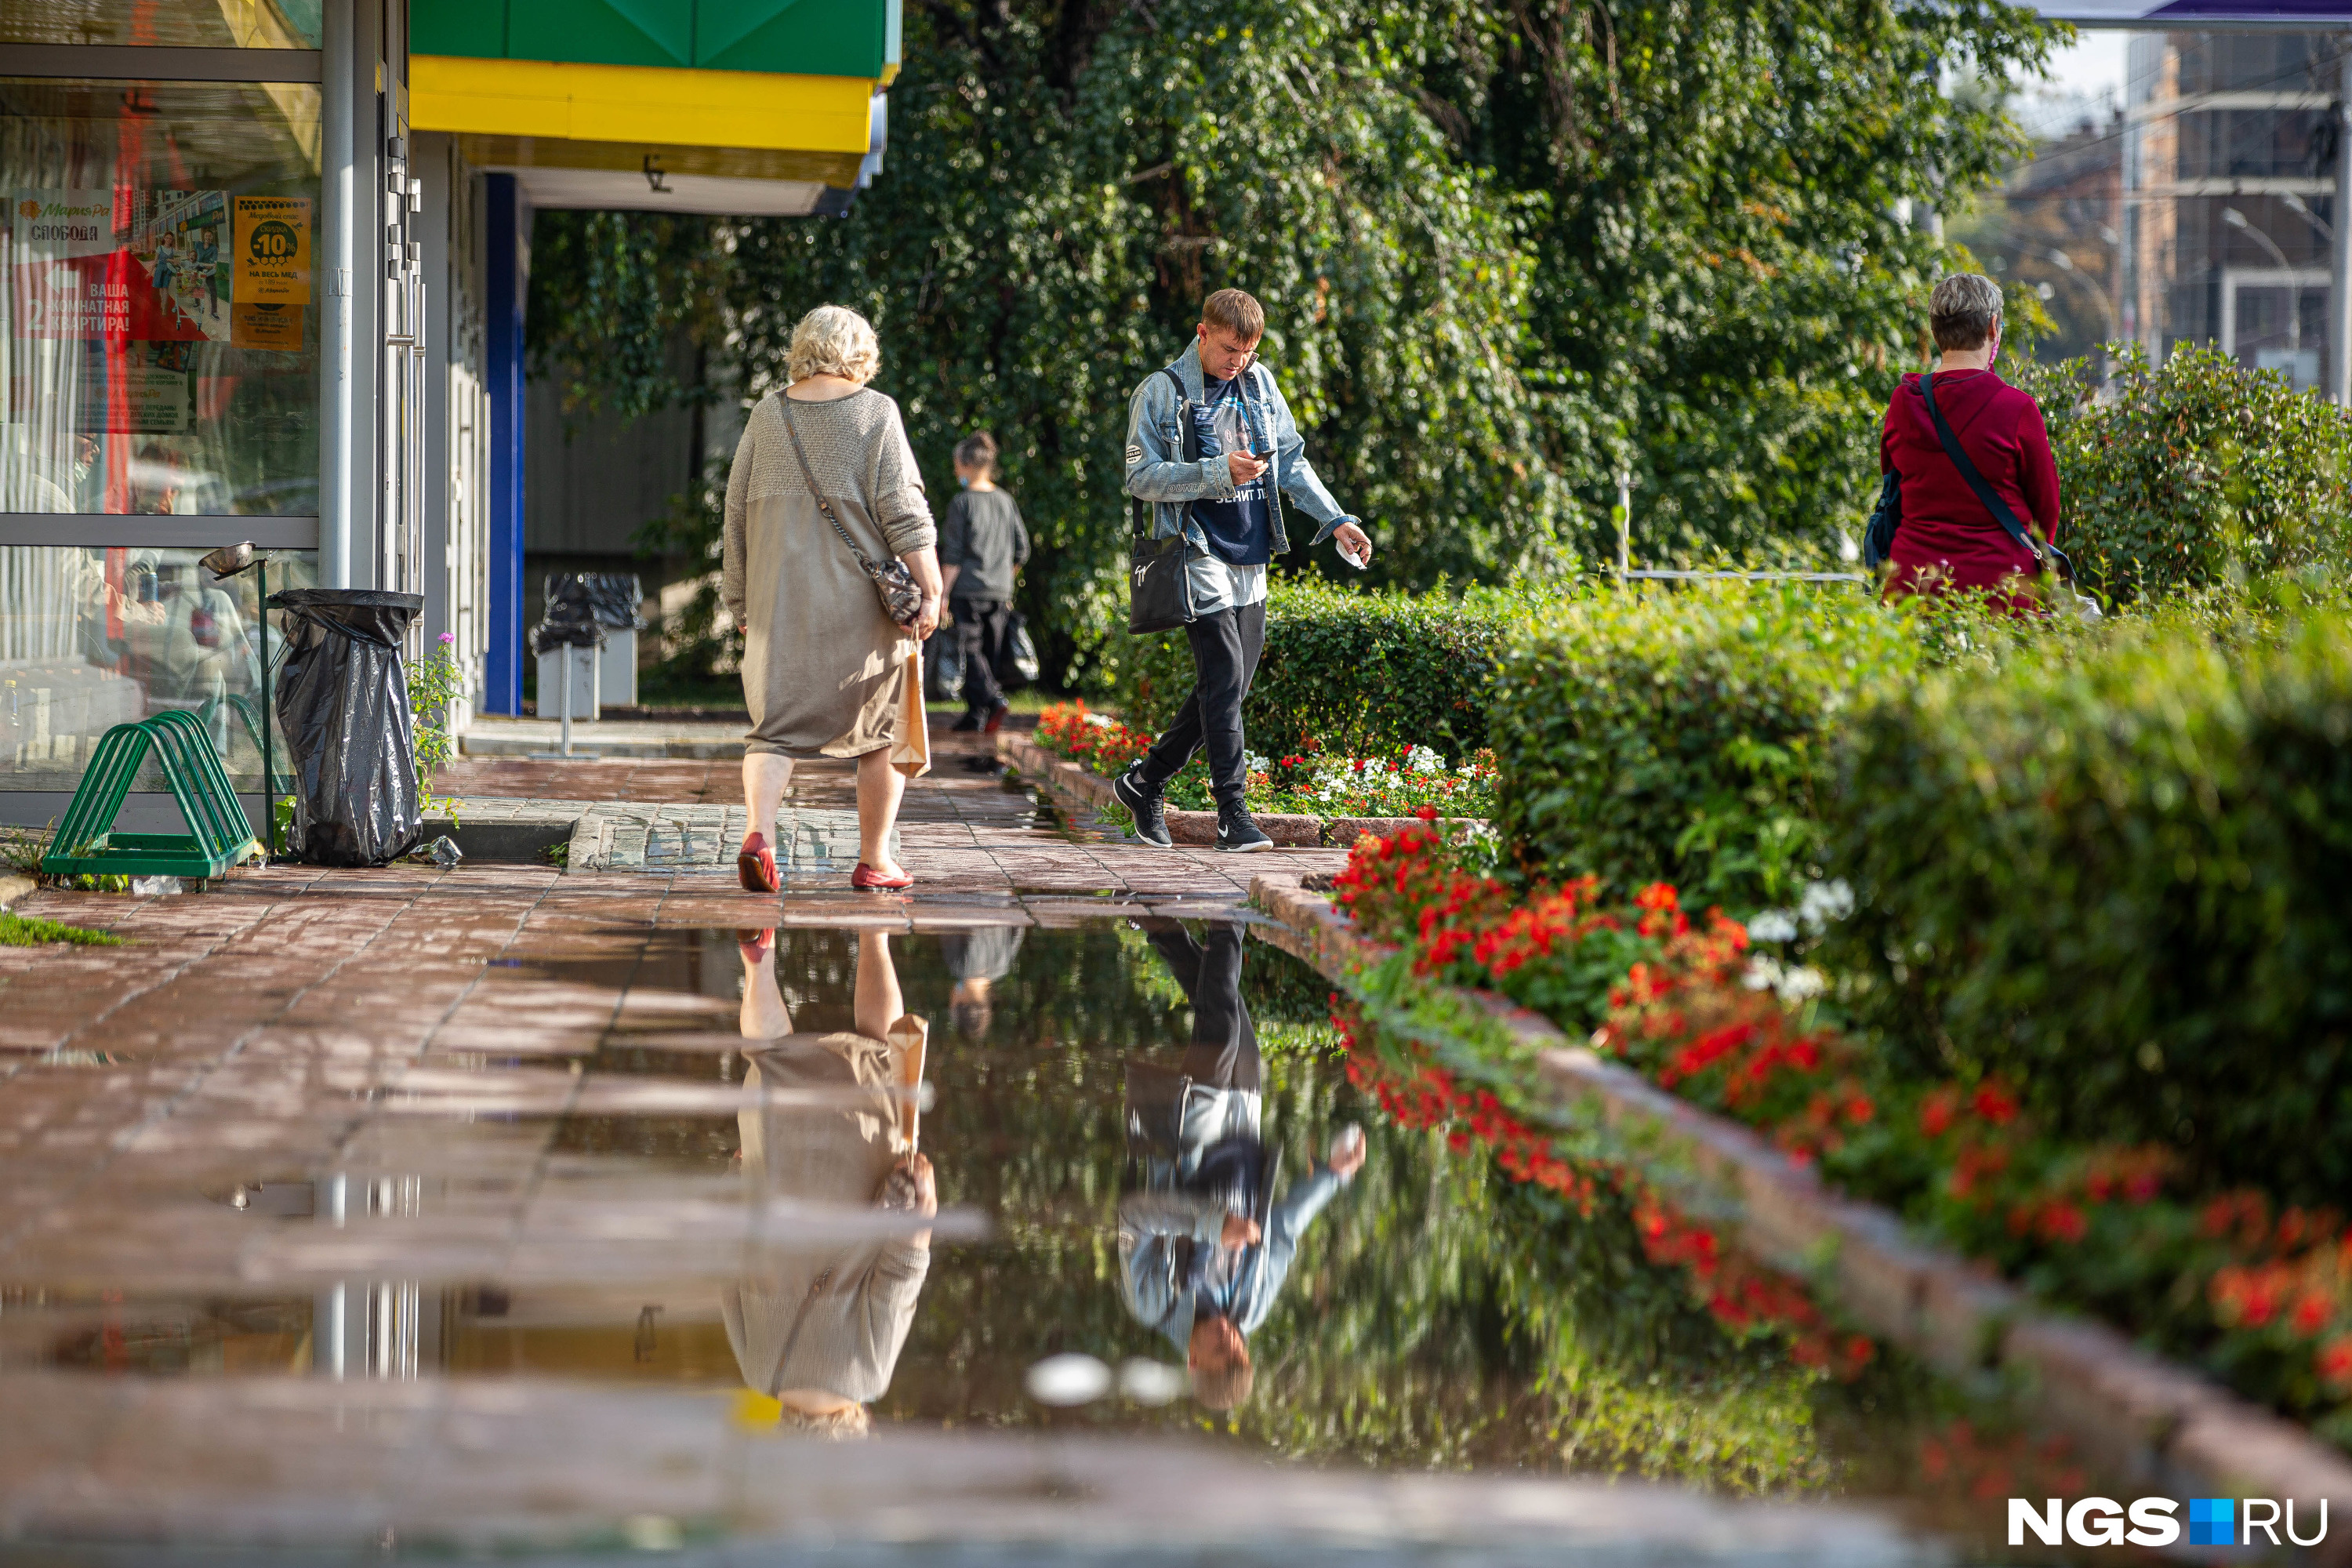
869 881
756 865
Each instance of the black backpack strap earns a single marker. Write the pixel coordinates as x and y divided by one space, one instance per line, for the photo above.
1187 437
2041 554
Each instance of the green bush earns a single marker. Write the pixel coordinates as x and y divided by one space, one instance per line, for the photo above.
2193 472
1685 734
1360 674
2116 881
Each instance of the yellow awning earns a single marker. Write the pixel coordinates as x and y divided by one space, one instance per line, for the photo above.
609 104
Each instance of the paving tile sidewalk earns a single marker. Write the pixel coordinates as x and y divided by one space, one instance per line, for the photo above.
961 830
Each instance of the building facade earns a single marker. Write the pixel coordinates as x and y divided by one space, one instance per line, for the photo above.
2230 180
266 263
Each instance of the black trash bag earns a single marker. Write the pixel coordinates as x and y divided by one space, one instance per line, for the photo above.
611 597
565 629
343 701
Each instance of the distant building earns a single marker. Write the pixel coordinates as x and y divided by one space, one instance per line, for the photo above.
2228 185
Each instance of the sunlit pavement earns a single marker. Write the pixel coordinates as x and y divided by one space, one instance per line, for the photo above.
352 1214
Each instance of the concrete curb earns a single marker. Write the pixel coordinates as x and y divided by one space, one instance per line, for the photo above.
2139 1418
1070 782
13 888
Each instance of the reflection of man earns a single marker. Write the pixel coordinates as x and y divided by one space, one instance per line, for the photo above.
819 1331
1203 1248
978 960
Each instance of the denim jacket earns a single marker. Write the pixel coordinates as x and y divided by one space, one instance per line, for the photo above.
1156 472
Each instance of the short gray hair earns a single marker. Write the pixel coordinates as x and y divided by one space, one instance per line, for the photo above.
1963 310
834 340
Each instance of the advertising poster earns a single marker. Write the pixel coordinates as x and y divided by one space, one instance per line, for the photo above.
128 266
272 287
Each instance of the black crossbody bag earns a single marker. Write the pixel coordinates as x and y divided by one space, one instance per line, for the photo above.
2048 559
1158 582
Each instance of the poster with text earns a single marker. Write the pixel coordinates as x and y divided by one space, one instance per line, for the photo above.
119 266
273 272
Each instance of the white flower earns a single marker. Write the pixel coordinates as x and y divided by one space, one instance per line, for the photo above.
1801 983
1772 925
1825 903
1793 982
1099 720
1421 760
1254 763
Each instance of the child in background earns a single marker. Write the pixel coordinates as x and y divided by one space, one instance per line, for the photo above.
983 546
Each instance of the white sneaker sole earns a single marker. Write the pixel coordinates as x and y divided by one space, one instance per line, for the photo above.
1119 794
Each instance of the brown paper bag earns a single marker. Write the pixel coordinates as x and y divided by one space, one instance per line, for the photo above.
910 753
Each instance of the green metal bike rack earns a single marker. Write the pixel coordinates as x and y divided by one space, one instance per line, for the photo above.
86 842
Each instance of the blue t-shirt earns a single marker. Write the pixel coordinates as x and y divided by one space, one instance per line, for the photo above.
1240 530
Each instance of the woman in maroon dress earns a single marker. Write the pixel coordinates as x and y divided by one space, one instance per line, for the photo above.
1948 540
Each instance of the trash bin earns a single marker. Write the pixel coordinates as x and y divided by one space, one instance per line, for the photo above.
569 634
610 599
342 703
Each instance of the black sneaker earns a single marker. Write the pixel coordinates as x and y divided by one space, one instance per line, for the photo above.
968 722
1144 805
1238 833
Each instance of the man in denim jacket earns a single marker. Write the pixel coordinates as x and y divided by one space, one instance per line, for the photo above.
1228 506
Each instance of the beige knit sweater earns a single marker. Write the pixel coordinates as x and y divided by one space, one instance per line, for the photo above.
824 668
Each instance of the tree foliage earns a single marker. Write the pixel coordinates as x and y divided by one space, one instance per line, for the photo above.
2194 471
1506 249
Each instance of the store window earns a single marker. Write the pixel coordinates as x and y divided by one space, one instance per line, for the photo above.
94 637
213 25
159 333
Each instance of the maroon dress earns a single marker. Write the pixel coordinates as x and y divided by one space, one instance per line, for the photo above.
1948 540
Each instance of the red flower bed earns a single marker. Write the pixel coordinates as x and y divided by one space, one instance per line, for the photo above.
2265 1299
1742 1296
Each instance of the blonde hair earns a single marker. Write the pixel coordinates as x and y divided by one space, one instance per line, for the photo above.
846 1425
1963 310
834 340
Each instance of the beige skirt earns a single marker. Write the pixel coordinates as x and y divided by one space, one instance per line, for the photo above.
825 673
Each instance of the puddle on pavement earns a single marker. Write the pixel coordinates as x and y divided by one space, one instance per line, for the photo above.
1102 1109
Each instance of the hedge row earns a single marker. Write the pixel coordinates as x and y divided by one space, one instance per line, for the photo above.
1349 672
1685 735
2118 880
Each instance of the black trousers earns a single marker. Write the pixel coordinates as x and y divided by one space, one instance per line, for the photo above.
1224 1052
983 626
1225 649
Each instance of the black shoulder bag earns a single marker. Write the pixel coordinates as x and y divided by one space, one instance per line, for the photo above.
1878 536
2048 559
1160 586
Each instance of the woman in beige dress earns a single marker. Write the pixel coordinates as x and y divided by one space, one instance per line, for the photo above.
827 673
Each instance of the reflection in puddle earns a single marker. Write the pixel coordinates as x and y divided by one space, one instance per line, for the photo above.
819 1331
1126 1187
1204 1244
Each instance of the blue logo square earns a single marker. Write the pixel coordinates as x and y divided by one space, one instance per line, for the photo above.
2212 1521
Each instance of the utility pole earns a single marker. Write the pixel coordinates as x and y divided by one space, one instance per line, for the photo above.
2339 293
1625 524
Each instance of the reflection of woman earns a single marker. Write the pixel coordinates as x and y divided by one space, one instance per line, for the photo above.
820 1332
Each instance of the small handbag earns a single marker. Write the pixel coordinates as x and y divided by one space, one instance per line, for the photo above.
1020 650
1159 578
1878 535
894 585
2048 559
